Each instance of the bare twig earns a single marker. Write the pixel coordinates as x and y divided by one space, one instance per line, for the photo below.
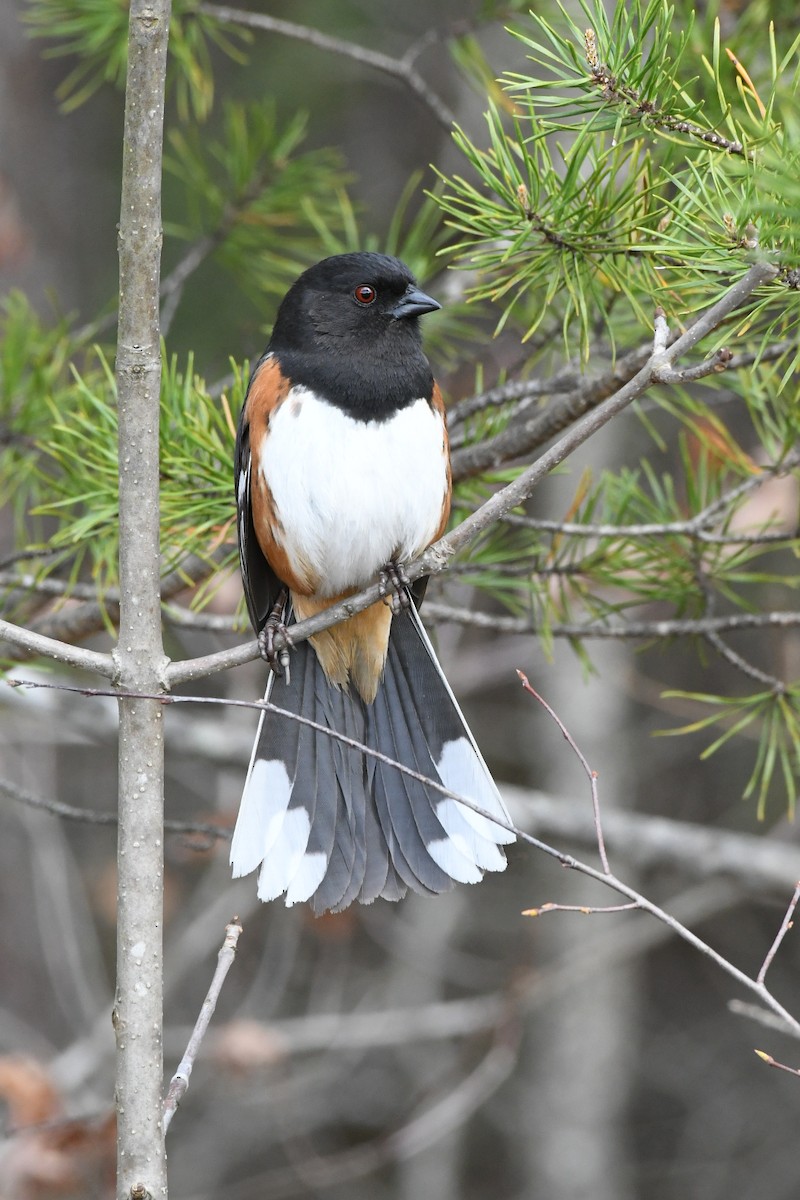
718 362
436 611
667 627
520 438
526 390
69 812
700 527
402 69
180 1080
50 586
741 664
185 618
773 1062
786 925
585 909
578 390
27 555
92 816
590 773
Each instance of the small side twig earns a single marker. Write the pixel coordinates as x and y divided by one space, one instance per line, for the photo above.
786 925
180 1080
591 774
586 910
740 663
773 1062
401 69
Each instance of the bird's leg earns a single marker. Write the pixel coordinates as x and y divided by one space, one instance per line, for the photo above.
277 660
393 579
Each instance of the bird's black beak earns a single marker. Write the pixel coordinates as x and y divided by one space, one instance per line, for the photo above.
414 302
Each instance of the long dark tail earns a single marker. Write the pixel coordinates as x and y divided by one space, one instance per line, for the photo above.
328 823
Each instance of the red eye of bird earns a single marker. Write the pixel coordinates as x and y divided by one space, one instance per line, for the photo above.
365 293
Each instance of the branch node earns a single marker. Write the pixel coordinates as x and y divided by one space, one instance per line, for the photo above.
660 339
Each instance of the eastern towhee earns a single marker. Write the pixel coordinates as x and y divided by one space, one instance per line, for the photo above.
342 473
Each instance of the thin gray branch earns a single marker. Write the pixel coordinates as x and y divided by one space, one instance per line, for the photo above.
402 69
36 645
591 775
564 380
569 381
666 627
49 586
92 816
180 1080
69 812
699 526
521 438
740 663
786 925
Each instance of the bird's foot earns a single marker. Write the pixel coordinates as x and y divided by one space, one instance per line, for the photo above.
276 659
395 586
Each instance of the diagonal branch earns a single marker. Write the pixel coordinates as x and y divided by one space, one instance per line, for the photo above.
402 69
180 1080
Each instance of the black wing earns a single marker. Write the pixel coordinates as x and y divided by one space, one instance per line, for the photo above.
261 585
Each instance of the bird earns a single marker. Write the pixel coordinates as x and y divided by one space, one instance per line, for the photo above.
342 475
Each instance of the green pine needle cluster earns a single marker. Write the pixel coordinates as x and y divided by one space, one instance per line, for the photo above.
622 167
76 469
96 33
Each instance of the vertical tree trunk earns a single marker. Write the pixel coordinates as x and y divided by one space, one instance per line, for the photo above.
140 653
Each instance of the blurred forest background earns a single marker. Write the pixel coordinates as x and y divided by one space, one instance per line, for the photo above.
435 1049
